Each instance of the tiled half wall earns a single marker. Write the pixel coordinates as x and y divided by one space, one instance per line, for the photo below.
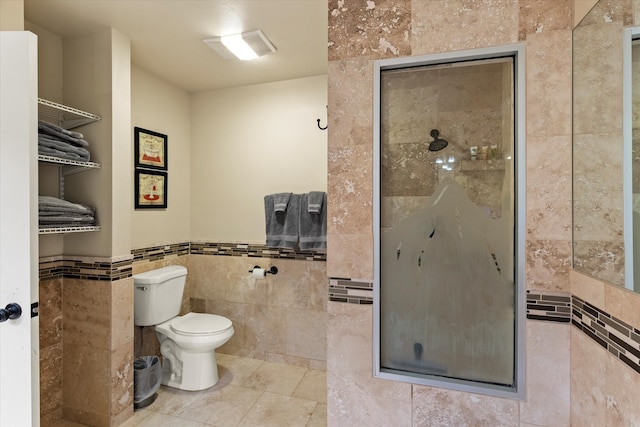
281 318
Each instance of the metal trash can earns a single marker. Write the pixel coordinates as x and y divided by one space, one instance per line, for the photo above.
147 377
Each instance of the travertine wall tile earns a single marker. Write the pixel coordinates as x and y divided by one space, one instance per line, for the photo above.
87 377
306 333
122 381
379 29
587 288
537 16
350 190
462 24
549 84
50 383
548 384
351 256
346 408
279 317
350 108
621 387
121 312
349 361
622 303
50 312
265 328
549 188
441 407
87 313
599 110
588 381
548 265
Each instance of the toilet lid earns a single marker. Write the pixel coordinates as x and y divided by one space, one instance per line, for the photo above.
200 324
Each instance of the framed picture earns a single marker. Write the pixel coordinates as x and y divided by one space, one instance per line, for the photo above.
150 149
150 189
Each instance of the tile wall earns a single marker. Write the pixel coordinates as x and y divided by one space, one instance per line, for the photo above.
360 33
590 385
86 314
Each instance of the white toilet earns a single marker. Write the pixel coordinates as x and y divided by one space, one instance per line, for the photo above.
188 342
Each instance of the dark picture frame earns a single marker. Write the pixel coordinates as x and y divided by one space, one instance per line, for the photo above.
150 189
150 149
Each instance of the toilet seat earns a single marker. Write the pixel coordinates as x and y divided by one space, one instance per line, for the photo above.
198 324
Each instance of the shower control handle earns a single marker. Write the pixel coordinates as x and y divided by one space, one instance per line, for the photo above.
11 311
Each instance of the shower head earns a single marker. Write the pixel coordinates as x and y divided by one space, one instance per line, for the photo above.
438 143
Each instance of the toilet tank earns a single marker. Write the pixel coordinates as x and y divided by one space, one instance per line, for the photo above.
158 294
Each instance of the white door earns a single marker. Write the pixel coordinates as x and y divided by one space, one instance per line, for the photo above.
19 358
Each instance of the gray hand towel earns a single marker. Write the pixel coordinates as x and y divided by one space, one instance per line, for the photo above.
280 201
315 201
313 226
282 227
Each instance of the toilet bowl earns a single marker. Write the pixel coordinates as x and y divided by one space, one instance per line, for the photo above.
187 343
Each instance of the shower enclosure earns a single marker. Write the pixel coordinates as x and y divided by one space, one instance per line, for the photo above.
449 220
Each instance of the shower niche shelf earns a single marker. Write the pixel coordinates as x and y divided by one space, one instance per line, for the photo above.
67 118
482 165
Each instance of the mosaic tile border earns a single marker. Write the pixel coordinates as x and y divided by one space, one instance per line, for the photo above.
350 291
156 253
614 335
550 307
254 250
85 269
111 270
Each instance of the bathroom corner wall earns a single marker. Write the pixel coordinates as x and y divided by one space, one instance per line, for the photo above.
416 28
605 375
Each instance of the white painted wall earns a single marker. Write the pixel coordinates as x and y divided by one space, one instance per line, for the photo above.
97 78
250 141
161 107
49 87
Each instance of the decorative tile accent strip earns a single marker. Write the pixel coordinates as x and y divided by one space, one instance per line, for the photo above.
548 306
253 250
51 268
350 291
155 253
619 338
86 268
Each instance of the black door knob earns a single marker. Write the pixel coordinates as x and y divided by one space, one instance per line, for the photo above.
11 311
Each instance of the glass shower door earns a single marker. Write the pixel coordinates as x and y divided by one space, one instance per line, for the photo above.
446 276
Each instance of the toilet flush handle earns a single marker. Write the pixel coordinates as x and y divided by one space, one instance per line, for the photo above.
142 288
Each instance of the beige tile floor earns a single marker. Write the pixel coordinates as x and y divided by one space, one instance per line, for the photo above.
250 393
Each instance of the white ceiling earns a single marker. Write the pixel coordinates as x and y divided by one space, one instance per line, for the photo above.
166 35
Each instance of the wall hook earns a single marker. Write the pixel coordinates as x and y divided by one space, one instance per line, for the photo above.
320 127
